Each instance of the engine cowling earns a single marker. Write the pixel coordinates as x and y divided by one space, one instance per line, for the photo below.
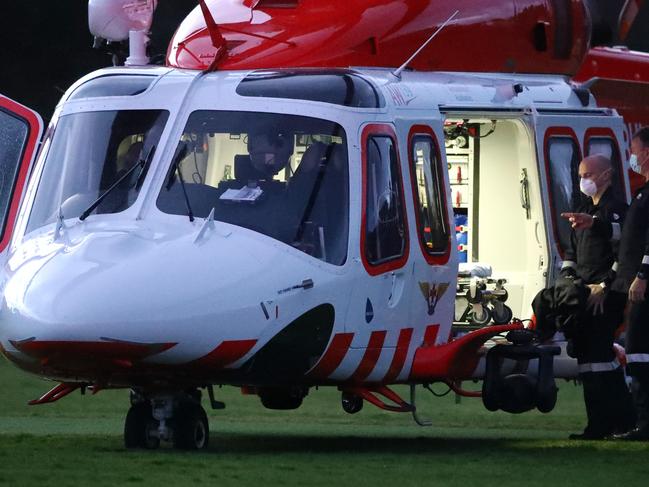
523 36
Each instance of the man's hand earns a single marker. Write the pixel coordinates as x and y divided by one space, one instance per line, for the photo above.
579 221
637 290
596 299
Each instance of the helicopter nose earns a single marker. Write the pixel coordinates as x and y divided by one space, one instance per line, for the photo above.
120 298
75 306
63 293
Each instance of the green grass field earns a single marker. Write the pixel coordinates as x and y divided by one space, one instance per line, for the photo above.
78 441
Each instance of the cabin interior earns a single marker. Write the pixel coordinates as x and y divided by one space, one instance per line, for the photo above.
497 213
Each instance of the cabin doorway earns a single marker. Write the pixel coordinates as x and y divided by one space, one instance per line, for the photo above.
497 214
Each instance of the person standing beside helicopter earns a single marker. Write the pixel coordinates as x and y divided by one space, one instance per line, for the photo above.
597 225
633 272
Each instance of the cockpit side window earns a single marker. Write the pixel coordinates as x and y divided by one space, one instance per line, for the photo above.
428 191
385 233
89 153
285 176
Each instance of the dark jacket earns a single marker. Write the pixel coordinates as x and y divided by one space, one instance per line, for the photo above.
634 244
594 250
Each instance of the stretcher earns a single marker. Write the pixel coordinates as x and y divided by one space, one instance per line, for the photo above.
480 299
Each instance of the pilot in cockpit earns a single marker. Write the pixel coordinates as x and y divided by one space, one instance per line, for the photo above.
269 152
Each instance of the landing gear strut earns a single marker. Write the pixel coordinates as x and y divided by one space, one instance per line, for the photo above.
178 418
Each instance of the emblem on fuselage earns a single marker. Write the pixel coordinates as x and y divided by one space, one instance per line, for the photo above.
432 293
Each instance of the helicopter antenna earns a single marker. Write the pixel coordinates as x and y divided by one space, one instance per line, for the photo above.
398 72
215 36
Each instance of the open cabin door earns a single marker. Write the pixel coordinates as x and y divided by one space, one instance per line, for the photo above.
20 133
562 142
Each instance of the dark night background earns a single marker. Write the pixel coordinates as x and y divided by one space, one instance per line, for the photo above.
46 44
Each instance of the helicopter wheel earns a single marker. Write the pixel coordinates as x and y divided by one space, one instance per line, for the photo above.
480 320
351 403
502 314
191 430
140 428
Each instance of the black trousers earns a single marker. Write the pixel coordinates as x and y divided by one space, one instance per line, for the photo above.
637 351
637 335
609 407
608 402
593 337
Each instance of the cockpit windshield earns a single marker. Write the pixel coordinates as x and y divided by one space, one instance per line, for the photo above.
281 175
89 152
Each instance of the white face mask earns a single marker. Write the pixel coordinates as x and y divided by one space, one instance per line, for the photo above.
635 165
588 187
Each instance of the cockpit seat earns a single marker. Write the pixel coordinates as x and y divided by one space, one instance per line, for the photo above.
318 195
244 170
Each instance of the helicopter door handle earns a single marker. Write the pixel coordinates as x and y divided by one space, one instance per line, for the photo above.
525 194
306 284
396 289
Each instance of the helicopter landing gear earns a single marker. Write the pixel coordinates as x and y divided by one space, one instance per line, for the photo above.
191 429
140 428
177 418
351 403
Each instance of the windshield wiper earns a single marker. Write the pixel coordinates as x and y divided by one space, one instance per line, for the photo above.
181 153
142 163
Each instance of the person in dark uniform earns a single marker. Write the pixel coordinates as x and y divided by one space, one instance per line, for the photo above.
597 227
633 271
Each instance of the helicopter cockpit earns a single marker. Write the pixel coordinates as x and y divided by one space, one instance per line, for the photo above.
284 176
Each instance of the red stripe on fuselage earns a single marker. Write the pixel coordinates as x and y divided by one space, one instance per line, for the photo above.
333 356
400 355
226 353
430 336
371 356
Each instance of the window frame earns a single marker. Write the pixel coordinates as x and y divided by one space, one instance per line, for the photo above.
399 261
29 149
557 133
424 131
607 133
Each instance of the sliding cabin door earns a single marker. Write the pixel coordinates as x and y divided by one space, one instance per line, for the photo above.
562 142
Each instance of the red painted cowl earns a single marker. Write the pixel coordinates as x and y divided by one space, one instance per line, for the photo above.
523 36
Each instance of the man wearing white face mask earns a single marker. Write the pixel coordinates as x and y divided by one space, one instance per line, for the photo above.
590 260
633 272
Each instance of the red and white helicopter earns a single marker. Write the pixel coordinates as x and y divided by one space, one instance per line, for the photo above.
261 212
